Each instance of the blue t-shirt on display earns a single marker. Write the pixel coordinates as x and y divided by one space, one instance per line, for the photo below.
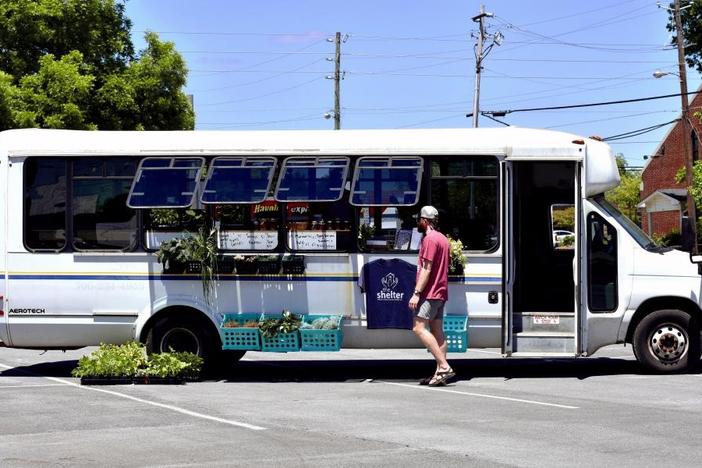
388 285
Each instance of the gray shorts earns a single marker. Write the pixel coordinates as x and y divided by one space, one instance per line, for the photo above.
430 309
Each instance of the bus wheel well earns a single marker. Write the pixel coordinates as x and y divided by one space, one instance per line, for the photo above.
661 303
184 313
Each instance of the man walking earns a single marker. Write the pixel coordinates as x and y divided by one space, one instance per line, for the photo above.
431 293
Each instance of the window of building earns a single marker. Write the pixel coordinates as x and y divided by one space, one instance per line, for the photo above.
165 182
465 191
312 179
238 180
386 181
101 218
45 203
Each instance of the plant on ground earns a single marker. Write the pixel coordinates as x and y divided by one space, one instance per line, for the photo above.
131 360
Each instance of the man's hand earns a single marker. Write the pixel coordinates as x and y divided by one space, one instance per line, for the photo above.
413 302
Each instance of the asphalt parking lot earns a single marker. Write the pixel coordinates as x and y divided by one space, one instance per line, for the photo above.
354 408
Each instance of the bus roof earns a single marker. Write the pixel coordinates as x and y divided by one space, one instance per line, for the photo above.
512 143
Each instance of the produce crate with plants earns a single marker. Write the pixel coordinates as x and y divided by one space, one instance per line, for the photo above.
293 265
246 265
279 333
240 331
268 265
455 332
321 333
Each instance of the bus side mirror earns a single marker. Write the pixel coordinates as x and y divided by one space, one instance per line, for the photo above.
687 238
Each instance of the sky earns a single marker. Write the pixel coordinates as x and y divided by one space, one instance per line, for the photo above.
411 64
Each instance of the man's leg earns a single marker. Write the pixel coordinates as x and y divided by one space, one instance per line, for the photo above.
437 329
428 339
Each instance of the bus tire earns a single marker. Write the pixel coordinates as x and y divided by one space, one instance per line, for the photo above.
183 333
667 341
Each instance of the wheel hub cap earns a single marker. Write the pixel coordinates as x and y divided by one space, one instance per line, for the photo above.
668 343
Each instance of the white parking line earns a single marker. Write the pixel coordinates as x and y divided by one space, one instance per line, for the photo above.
148 402
31 386
479 395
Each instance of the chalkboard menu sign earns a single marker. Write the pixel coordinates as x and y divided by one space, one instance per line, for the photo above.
248 240
312 240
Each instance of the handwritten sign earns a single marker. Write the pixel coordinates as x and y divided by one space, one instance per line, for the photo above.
248 240
312 240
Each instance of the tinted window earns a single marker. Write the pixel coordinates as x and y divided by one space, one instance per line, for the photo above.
386 181
312 179
45 203
602 264
238 180
465 191
165 182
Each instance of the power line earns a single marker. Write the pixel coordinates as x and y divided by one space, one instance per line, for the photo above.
638 132
592 104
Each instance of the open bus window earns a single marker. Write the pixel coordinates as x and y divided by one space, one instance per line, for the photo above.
465 192
238 180
563 227
312 179
101 218
45 203
386 181
319 226
165 182
386 228
247 227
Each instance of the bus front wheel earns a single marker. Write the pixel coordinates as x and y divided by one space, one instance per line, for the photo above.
667 341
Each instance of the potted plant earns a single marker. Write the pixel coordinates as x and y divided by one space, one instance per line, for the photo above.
198 253
293 264
268 264
458 260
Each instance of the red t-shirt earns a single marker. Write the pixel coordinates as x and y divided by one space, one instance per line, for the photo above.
436 249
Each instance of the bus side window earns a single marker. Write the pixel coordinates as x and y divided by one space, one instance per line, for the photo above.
101 218
465 191
45 203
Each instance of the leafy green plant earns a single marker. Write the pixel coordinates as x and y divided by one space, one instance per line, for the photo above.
164 217
130 360
286 323
365 232
457 260
200 247
568 241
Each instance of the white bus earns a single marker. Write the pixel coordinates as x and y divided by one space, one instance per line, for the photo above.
80 215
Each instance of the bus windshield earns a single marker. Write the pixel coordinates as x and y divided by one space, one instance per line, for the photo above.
629 226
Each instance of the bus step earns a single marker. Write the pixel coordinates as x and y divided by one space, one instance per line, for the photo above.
544 321
544 342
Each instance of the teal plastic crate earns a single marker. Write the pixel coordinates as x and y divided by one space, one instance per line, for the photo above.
244 338
314 339
282 342
456 333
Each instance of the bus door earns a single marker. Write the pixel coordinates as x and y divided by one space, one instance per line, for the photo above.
540 269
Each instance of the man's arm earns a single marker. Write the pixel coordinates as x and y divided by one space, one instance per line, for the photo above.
421 283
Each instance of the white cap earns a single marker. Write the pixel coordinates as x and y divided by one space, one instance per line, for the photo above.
429 212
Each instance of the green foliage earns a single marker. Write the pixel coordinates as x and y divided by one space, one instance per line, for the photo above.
71 64
568 241
130 360
164 217
286 323
691 16
564 217
112 361
458 260
673 238
199 247
695 190
626 195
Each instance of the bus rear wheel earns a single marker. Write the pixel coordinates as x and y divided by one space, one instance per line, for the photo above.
181 334
667 341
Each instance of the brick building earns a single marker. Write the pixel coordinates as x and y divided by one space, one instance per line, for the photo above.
663 202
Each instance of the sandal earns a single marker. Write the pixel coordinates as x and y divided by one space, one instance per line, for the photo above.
441 377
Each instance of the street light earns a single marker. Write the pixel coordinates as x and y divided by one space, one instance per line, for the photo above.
661 73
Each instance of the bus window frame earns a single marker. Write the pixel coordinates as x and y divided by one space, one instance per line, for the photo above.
315 164
173 160
244 160
389 165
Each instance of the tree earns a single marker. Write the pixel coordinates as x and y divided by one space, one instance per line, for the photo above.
691 18
626 195
71 64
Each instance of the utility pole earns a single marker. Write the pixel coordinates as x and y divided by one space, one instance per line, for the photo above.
480 53
337 77
337 80
686 128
